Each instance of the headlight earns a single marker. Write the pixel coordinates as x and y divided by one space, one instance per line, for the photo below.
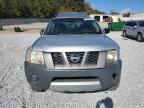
111 56
35 57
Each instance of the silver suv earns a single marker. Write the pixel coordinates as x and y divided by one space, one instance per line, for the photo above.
73 55
134 29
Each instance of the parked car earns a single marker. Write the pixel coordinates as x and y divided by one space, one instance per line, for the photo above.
73 54
134 29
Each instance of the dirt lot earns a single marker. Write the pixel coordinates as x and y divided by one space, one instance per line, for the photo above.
27 27
16 93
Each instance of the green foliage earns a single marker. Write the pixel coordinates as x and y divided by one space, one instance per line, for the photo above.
38 8
90 10
114 13
99 12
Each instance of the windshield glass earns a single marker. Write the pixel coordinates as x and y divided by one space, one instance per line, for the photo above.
141 23
72 26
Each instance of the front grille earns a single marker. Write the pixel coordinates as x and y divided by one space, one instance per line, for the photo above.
74 60
70 54
57 58
92 57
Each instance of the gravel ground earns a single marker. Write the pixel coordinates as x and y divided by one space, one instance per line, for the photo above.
16 93
31 26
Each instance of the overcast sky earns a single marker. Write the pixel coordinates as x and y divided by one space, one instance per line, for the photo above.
121 6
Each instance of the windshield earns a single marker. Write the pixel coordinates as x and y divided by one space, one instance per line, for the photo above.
72 26
141 23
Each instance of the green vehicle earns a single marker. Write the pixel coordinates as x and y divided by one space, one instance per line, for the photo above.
116 26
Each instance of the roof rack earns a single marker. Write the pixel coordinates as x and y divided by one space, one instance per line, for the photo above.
73 15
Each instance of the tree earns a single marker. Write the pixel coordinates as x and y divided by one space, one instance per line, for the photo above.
114 13
38 8
99 12
1 11
89 9
127 14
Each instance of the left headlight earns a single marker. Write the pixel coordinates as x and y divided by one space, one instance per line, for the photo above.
35 57
111 56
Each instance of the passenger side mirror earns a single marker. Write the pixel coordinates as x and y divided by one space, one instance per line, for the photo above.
41 32
135 26
106 30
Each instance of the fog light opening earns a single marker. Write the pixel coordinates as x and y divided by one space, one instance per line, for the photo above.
34 78
114 76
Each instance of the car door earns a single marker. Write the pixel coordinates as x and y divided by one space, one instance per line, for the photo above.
127 28
133 30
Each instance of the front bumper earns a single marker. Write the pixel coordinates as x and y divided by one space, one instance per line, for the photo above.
89 80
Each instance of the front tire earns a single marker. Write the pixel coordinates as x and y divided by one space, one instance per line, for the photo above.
140 37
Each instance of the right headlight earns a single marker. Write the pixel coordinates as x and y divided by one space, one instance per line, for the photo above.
111 56
35 57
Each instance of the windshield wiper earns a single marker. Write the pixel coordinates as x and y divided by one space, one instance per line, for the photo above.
53 33
92 32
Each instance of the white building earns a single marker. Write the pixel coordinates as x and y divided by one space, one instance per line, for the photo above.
136 16
99 17
103 17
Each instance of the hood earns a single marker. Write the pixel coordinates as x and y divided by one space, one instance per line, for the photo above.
71 43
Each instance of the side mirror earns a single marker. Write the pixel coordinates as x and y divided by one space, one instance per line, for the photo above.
106 30
135 26
41 32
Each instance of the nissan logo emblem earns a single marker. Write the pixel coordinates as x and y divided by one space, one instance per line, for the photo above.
75 58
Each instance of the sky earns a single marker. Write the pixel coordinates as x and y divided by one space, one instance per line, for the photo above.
122 6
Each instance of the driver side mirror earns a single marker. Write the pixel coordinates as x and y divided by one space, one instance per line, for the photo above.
41 32
106 30
135 26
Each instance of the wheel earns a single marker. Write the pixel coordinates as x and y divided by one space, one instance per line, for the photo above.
124 34
37 89
139 37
